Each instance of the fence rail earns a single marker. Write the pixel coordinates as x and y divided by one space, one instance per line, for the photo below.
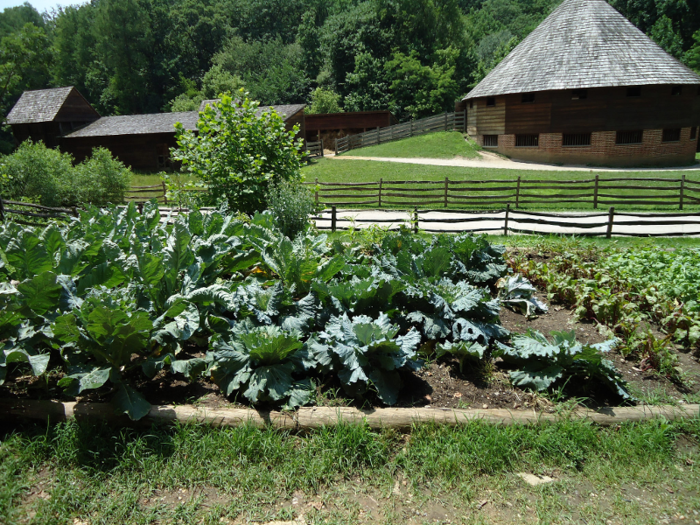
507 221
518 192
444 122
314 149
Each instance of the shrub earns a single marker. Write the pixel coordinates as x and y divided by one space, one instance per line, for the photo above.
36 172
238 152
291 204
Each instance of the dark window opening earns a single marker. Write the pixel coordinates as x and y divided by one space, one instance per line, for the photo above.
693 133
671 135
629 137
490 101
527 97
579 94
576 139
527 141
676 90
490 141
634 92
471 104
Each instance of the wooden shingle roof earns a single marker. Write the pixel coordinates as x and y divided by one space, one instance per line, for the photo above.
137 124
285 110
583 44
39 106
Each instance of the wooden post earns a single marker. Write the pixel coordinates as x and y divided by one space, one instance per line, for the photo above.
165 193
415 220
381 183
595 194
411 129
336 146
611 216
316 189
2 211
333 218
505 226
379 137
680 204
139 207
321 147
517 194
445 120
392 132
75 211
447 185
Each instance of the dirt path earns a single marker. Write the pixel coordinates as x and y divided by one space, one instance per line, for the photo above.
491 160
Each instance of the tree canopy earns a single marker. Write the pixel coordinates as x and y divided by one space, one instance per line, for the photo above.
413 57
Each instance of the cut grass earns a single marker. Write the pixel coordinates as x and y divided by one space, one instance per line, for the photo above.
78 473
329 170
439 145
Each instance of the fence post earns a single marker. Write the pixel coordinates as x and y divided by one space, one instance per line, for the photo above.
611 216
333 218
75 211
316 188
165 193
381 183
411 129
322 148
447 185
2 211
415 220
379 137
680 204
445 120
517 194
595 194
505 225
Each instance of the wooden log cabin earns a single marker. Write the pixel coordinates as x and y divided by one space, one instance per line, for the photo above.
587 87
65 119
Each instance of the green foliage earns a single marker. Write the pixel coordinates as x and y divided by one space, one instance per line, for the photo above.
291 204
692 56
324 101
48 176
238 151
541 365
663 34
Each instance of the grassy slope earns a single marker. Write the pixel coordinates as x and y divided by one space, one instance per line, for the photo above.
330 170
440 145
76 473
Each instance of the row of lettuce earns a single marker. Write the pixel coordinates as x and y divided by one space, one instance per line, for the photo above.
115 297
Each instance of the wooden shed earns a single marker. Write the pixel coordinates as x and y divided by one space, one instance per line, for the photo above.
47 114
588 87
143 142
336 125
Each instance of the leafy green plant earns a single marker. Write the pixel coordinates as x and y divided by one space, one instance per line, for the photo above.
238 150
291 204
366 353
541 365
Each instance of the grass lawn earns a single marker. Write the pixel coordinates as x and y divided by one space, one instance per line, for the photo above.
440 145
75 473
330 170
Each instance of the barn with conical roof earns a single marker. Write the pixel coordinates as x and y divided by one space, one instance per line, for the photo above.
588 87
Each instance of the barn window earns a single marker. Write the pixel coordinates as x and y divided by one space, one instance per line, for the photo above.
676 91
576 139
579 94
527 97
671 135
634 92
629 137
527 141
490 101
693 133
490 141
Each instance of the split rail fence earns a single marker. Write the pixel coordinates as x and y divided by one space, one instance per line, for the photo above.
520 192
444 122
508 221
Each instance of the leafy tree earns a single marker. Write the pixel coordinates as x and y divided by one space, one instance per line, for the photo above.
368 86
692 56
238 151
13 19
324 101
663 34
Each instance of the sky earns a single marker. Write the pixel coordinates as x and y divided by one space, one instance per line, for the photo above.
40 5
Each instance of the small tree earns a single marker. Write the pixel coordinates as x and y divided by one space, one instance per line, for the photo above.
238 151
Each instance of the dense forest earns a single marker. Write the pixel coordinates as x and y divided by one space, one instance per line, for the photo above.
414 57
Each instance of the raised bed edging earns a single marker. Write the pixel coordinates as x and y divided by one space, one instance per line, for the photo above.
316 417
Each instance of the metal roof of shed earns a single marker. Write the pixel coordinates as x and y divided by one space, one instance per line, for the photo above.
583 44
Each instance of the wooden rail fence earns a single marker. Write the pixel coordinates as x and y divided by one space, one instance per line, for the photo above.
519 192
444 122
507 221
314 149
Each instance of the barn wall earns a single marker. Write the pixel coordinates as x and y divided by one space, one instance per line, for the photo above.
139 152
346 123
490 120
76 109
